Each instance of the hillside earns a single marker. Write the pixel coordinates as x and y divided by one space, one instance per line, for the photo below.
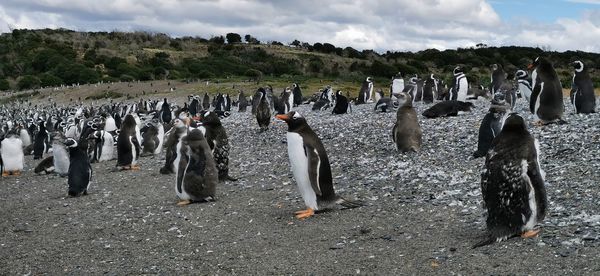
42 58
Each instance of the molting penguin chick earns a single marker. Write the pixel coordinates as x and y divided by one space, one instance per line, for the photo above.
546 99
490 128
263 112
176 132
512 184
310 167
80 170
218 142
197 176
406 133
582 90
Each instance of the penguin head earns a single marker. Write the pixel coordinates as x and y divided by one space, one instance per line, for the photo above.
494 67
293 119
369 79
514 122
578 65
404 99
457 70
536 62
521 74
70 143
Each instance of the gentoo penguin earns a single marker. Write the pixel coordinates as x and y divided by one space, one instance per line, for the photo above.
460 86
217 140
176 132
150 141
512 184
286 102
39 145
165 112
582 90
11 151
429 92
263 112
297 92
60 154
447 108
497 78
310 167
406 133
546 99
128 145
80 170
197 176
490 127
524 81
397 84
341 103
366 92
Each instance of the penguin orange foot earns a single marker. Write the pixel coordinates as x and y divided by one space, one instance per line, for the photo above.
530 234
5 173
135 167
16 173
184 202
302 214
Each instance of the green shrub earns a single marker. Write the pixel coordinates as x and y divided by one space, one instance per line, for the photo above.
4 85
28 82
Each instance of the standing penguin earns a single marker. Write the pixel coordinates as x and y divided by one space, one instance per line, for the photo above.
546 99
366 92
490 128
341 103
460 86
80 170
429 89
512 184
60 154
103 146
165 112
174 135
39 144
263 112
128 145
217 140
150 139
205 102
310 167
197 177
497 78
242 102
582 90
524 84
297 92
286 101
407 133
11 151
397 84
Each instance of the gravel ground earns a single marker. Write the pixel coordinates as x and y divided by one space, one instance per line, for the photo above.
423 210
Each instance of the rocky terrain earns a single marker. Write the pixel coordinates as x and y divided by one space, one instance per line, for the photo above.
422 215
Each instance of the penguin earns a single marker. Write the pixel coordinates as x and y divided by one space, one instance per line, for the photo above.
512 184
219 102
384 104
194 106
366 91
412 87
497 78
379 95
326 100
582 90
102 147
524 82
128 145
227 104
80 170
177 131
39 145
165 112
45 166
206 102
407 133
447 108
60 154
197 176
460 86
263 112
11 151
341 103
490 127
217 140
286 101
429 92
150 139
24 136
397 84
297 92
310 167
546 98
256 99
242 102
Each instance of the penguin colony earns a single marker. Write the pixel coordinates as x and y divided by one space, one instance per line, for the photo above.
196 146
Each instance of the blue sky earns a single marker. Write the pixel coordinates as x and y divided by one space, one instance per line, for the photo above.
395 25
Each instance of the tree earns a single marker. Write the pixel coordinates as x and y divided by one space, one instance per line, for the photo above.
28 82
233 38
251 40
220 40
296 43
254 74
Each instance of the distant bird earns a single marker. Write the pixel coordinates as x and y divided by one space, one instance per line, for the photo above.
406 133
366 92
397 84
429 89
263 112
165 112
205 102
498 77
341 103
412 87
582 94
297 92
385 103
310 167
512 184
447 108
242 102
460 85
547 98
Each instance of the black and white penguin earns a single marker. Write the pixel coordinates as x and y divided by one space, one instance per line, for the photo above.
310 167
524 82
227 103
497 77
546 98
385 104
512 184
205 102
429 89
80 170
341 103
150 140
11 151
326 100
297 92
286 102
460 85
263 112
490 127
194 106
411 87
196 174
40 145
447 108
128 145
406 133
165 112
397 84
242 102
582 90
174 135
217 140
60 154
366 92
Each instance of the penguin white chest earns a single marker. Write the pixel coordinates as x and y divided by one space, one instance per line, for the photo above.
299 164
12 154
61 159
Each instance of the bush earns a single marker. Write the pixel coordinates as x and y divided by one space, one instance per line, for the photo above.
28 82
4 85
48 79
233 38
254 74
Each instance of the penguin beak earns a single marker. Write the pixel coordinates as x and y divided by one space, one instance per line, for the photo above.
283 117
530 66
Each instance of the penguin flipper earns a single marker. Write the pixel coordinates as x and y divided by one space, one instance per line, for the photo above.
314 164
534 97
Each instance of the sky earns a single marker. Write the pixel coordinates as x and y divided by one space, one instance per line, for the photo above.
382 25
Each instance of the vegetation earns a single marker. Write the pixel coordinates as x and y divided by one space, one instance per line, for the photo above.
31 59
105 95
